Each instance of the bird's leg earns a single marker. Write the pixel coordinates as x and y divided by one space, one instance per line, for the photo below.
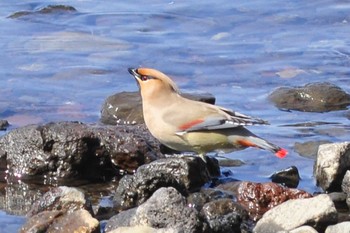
203 157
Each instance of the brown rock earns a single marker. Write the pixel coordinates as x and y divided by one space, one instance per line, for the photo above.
40 222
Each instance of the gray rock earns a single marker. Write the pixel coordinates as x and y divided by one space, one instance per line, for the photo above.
332 161
40 222
313 97
143 229
346 187
61 198
224 215
126 107
4 124
303 229
288 177
166 208
185 174
317 212
343 227
198 199
71 149
51 9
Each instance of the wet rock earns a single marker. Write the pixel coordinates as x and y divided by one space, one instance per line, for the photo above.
126 107
40 222
313 97
77 221
4 124
317 212
309 149
198 199
166 208
339 228
332 162
257 198
184 174
288 177
224 215
73 149
51 9
61 198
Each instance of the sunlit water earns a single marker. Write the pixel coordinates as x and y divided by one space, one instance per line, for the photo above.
59 67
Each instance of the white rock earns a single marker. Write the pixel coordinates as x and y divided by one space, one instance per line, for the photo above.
343 227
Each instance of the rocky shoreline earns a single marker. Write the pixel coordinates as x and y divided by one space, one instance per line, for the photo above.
157 193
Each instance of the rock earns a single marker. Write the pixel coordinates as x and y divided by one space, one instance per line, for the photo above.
77 221
198 199
332 161
143 229
185 174
313 97
4 124
346 187
61 198
303 229
288 177
342 227
166 208
73 149
224 215
126 107
40 222
317 212
309 149
257 198
51 9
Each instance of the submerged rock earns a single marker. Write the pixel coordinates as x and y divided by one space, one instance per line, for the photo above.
126 107
73 149
309 149
50 9
166 208
332 162
313 97
288 177
257 198
317 212
61 198
185 174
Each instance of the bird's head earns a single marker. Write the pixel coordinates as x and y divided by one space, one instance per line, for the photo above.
152 82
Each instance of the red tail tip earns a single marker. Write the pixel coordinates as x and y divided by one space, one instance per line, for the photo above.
281 153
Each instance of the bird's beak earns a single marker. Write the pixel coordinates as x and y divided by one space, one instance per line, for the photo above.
134 73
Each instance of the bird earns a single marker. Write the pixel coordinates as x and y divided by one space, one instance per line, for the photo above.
192 126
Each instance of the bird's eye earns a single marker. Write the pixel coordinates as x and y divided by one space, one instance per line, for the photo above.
144 77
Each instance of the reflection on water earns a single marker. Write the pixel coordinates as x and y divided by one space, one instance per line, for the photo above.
58 67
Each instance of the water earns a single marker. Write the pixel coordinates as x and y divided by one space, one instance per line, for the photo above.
58 67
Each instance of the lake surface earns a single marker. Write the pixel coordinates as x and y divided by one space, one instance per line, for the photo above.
61 66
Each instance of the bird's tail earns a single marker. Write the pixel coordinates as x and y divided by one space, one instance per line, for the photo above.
255 141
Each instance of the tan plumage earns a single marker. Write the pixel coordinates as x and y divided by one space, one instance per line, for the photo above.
186 125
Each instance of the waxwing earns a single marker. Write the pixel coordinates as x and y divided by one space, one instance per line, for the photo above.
192 126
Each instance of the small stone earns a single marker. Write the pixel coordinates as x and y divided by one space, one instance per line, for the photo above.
309 149
332 162
4 124
317 212
288 177
303 229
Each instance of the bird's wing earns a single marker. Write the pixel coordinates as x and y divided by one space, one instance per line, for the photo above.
227 119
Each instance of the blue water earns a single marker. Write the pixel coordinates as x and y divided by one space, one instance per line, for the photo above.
62 66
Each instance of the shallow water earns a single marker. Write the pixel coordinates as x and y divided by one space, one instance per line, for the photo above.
57 67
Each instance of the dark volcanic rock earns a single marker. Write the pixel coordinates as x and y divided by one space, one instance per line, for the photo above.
61 198
185 174
288 177
258 198
4 124
71 149
224 215
332 162
126 107
166 208
199 199
313 97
